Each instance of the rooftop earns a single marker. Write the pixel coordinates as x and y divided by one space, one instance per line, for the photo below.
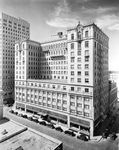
25 139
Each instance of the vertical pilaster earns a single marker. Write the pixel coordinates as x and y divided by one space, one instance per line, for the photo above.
1 104
75 105
68 119
68 110
91 129
83 106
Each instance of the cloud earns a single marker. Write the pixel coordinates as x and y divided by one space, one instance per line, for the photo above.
114 27
62 16
110 22
67 13
62 22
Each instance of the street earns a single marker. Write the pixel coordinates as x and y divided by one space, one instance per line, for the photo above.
69 143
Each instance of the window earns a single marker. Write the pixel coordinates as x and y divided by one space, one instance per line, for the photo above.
72 104
86 99
86 114
86 106
86 90
79 46
86 73
79 66
79 59
86 80
72 54
72 88
79 52
79 105
79 73
64 102
64 87
86 43
86 33
79 80
72 111
72 45
72 79
72 36
78 89
86 59
72 72
86 66
64 109
79 112
72 60
72 66
86 52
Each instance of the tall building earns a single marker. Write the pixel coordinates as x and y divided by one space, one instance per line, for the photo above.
11 29
65 77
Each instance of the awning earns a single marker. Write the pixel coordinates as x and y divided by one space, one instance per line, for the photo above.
20 105
42 114
84 132
58 117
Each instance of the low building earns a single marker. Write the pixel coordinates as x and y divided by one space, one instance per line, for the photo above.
18 137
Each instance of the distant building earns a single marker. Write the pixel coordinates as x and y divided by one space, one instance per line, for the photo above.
112 95
11 29
65 77
114 77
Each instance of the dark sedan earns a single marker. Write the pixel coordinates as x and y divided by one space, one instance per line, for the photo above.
43 123
50 126
70 133
82 137
59 129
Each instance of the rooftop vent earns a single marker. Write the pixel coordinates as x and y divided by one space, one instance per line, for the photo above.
60 34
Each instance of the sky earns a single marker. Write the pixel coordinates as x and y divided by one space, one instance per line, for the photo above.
47 17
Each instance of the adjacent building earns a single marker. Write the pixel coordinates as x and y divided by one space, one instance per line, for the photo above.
65 77
114 77
112 95
11 29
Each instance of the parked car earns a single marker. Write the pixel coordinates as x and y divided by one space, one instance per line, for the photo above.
29 117
35 119
11 111
105 134
59 129
9 105
43 123
70 133
24 115
82 137
16 113
50 126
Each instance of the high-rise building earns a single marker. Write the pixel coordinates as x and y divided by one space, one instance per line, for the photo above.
11 29
65 77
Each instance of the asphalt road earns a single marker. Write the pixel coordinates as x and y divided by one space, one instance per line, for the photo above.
69 143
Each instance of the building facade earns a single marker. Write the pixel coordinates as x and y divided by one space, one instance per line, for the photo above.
65 77
11 29
114 77
112 95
